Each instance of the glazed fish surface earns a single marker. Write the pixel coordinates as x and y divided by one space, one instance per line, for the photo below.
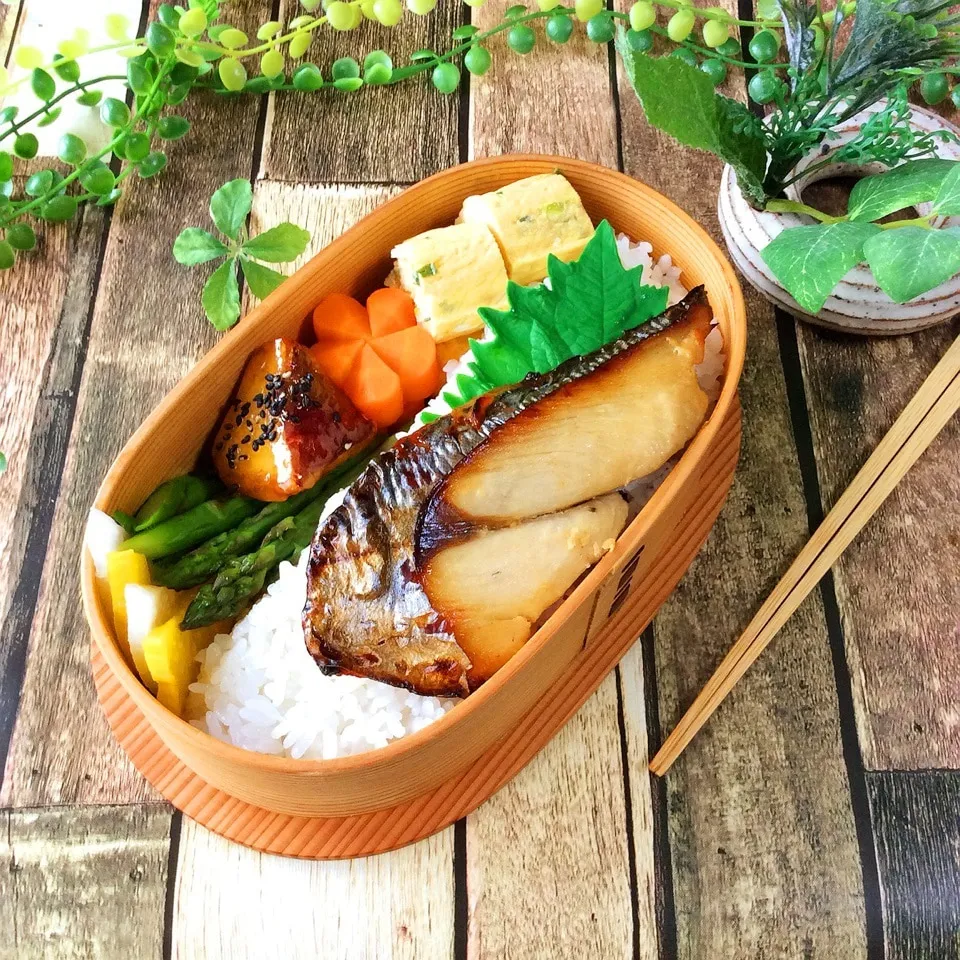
400 575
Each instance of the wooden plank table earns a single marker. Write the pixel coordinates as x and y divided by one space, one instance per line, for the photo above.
815 817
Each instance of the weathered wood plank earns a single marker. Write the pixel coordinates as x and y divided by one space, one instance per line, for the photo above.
561 824
897 583
547 859
763 864
85 882
44 308
147 330
556 99
916 820
390 907
379 135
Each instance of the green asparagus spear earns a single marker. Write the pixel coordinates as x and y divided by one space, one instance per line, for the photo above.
173 497
239 581
201 564
188 529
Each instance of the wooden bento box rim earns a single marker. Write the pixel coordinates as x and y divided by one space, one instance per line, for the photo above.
734 333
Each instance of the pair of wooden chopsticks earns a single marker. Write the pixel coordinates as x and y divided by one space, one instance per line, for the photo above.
923 418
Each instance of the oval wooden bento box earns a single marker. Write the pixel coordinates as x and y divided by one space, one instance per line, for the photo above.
384 798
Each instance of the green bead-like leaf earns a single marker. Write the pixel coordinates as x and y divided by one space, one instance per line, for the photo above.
194 246
59 209
138 79
71 149
114 112
136 147
38 183
178 93
42 84
465 32
161 41
90 98
308 77
811 261
21 236
348 84
909 261
51 116
3 462
152 164
172 127
221 296
98 179
6 165
69 71
8 257
947 201
261 280
346 68
6 191
281 243
918 181
422 55
26 146
8 113
230 205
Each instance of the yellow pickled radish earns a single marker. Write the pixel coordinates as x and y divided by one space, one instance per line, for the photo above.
171 655
147 608
124 567
171 658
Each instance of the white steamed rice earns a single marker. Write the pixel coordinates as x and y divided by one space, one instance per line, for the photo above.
258 687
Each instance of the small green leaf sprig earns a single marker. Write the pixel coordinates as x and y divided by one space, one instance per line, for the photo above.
907 257
229 208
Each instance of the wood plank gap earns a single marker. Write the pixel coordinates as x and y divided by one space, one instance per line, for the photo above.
170 901
628 817
54 416
664 902
461 907
615 94
849 738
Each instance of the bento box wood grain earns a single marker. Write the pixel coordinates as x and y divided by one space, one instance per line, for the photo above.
574 637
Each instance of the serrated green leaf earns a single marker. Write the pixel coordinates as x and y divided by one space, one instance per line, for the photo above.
918 181
194 246
909 261
230 205
281 243
261 280
811 261
221 296
590 302
680 100
947 201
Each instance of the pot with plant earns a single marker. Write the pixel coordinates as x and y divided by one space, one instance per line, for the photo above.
837 105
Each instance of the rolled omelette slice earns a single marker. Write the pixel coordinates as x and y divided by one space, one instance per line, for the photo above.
531 219
450 272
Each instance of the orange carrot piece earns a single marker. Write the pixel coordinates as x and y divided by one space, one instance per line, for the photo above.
412 353
339 317
375 389
336 358
390 310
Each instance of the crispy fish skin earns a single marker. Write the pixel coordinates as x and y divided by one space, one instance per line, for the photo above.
367 613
